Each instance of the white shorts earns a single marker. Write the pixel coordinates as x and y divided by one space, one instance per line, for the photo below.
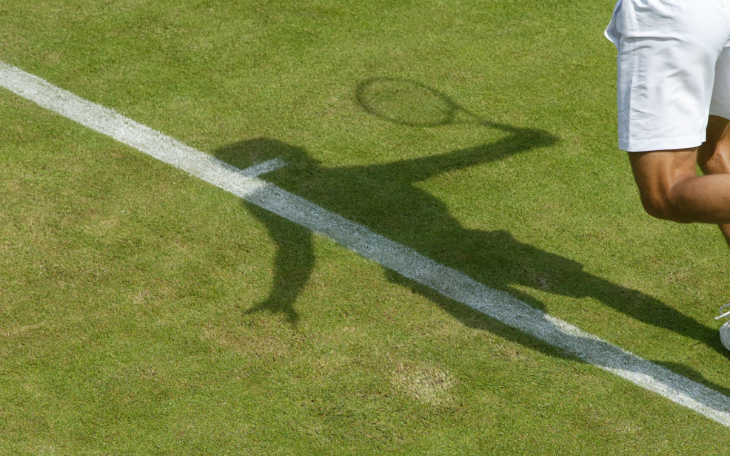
673 70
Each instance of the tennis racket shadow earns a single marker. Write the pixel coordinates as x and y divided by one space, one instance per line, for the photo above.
412 104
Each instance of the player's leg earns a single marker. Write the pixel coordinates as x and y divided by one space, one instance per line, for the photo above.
671 189
713 156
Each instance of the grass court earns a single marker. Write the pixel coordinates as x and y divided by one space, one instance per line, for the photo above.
143 311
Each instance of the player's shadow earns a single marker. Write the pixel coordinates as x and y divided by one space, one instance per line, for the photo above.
384 198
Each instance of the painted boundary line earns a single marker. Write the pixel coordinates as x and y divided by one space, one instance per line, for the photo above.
358 238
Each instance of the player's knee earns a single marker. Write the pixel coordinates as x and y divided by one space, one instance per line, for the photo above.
654 208
663 207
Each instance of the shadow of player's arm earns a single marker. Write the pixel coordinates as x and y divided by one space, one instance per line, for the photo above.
293 264
519 140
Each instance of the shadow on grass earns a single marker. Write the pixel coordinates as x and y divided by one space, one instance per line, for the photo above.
384 198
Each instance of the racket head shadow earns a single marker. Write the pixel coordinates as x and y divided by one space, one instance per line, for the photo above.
405 102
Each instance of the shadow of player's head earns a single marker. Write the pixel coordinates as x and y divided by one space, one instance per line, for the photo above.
252 151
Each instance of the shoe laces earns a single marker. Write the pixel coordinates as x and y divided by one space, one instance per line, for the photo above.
723 315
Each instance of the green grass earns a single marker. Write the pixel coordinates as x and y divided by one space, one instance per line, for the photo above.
145 312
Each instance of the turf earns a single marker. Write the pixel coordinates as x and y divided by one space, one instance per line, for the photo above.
145 312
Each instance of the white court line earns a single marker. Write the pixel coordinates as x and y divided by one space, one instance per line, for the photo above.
263 168
358 238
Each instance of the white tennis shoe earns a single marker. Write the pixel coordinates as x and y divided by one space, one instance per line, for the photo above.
725 328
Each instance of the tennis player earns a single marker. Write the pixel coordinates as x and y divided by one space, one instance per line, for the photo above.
674 106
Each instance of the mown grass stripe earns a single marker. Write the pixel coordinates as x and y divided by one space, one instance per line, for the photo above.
449 282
